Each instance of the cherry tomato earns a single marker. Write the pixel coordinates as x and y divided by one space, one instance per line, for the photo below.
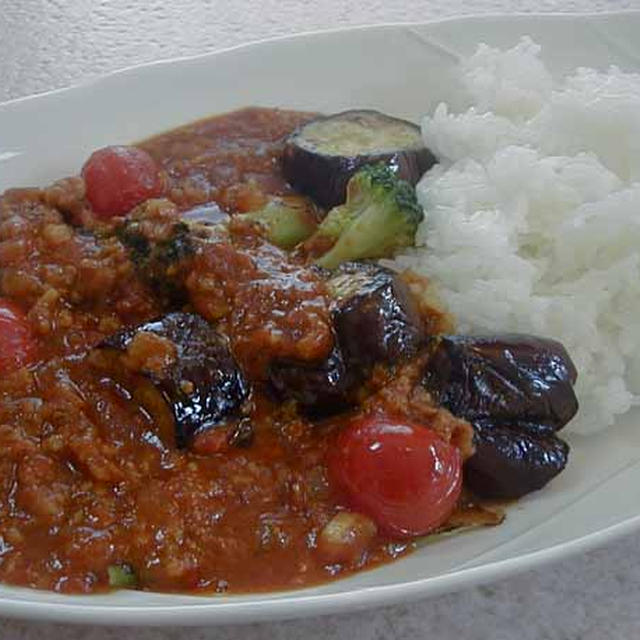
118 178
17 343
402 475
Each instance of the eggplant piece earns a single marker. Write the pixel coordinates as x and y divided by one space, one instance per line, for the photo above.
504 377
517 391
320 388
321 155
510 462
186 376
376 318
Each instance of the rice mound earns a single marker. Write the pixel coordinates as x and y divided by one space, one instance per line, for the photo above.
533 216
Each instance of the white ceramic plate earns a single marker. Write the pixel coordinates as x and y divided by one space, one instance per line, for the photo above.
404 70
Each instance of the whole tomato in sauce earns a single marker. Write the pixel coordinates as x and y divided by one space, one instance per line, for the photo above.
118 178
403 475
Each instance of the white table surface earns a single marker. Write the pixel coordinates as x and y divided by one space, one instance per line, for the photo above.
45 44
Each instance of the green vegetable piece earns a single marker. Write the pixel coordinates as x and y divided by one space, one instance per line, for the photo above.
165 252
287 221
122 576
158 262
380 216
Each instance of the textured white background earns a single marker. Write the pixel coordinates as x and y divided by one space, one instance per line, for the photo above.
45 44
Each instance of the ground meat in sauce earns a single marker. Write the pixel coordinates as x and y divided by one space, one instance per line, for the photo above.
85 481
276 308
231 159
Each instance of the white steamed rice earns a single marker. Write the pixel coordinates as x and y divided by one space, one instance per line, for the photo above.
533 216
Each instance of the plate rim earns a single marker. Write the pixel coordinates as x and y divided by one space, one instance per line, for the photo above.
297 604
218 613
465 17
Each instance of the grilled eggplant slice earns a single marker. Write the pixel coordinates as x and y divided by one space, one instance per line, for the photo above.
182 373
510 462
321 389
321 156
517 391
375 320
504 377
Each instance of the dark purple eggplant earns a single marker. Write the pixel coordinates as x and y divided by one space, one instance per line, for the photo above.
198 385
517 391
503 377
320 388
510 462
375 320
321 156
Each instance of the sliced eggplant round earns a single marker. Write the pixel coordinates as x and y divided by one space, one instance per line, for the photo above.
188 381
321 156
503 377
510 462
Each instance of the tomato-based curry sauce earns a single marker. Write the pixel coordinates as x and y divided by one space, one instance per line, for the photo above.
87 481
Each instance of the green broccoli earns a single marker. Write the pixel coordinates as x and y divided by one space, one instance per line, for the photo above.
122 576
159 262
287 220
381 215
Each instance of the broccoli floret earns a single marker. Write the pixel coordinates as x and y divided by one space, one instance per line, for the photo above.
177 246
287 221
138 246
381 215
158 255
158 263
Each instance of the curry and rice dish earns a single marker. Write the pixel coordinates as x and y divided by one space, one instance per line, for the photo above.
225 369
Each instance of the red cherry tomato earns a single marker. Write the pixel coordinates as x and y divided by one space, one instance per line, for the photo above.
17 343
118 178
402 475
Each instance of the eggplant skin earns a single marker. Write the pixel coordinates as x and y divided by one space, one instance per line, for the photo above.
376 318
321 389
504 377
510 462
517 391
323 174
204 387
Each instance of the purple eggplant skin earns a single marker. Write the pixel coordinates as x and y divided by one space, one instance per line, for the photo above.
510 462
204 387
321 389
323 174
376 318
503 377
